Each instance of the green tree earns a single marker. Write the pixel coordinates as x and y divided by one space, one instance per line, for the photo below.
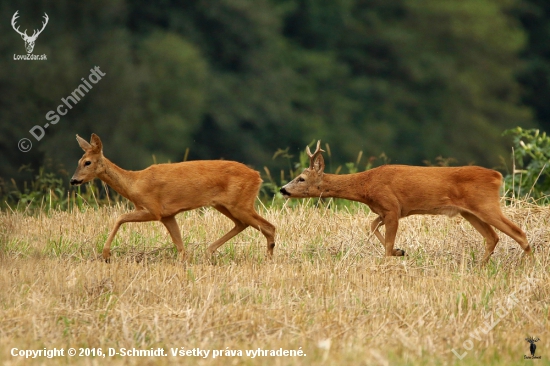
240 79
534 74
430 78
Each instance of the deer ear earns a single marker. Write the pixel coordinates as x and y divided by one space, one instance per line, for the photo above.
83 143
96 143
319 164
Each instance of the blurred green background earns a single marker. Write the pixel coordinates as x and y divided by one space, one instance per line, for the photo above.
241 79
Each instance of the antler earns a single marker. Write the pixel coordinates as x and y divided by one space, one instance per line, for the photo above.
24 34
15 16
312 157
46 18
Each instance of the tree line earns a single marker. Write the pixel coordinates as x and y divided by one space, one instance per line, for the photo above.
242 79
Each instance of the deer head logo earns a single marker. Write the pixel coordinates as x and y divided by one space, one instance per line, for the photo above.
29 41
533 346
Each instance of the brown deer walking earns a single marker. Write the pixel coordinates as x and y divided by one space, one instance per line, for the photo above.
396 191
162 191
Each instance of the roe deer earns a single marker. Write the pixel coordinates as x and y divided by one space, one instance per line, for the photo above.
162 191
396 191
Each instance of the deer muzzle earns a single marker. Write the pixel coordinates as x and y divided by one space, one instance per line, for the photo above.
75 182
284 192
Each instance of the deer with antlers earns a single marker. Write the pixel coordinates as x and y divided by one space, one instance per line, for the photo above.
397 191
162 191
29 41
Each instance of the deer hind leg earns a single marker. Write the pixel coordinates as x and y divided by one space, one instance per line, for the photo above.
491 237
134 216
252 218
391 221
174 231
499 221
239 226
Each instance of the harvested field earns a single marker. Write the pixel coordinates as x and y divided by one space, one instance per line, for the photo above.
327 298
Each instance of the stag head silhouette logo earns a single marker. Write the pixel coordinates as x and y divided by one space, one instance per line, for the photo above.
29 40
532 346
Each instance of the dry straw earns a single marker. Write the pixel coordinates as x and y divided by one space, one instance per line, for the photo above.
328 292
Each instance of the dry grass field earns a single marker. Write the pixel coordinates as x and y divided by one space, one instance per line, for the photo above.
327 298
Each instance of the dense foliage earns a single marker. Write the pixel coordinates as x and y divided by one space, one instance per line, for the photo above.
241 79
530 177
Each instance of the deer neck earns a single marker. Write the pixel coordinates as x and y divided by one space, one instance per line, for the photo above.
346 186
117 178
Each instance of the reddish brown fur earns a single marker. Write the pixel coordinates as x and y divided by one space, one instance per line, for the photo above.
162 191
396 191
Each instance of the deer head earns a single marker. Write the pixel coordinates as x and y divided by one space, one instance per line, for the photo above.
91 163
29 41
308 184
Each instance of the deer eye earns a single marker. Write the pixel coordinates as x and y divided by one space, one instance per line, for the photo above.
87 163
301 179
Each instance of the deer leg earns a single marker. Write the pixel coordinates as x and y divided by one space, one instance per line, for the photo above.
252 218
174 231
499 221
134 216
391 221
376 223
491 237
239 226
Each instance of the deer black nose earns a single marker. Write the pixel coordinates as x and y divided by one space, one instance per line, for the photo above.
284 192
75 182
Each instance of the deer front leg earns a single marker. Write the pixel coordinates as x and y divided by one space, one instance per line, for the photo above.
374 228
391 221
134 216
174 231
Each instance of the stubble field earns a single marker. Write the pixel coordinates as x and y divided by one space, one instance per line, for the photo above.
327 298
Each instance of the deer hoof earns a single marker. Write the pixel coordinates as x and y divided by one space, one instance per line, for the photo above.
107 256
399 252
270 250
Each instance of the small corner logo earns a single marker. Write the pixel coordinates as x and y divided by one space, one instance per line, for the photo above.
29 40
532 348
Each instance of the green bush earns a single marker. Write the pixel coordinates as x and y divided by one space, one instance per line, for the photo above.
530 177
49 189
